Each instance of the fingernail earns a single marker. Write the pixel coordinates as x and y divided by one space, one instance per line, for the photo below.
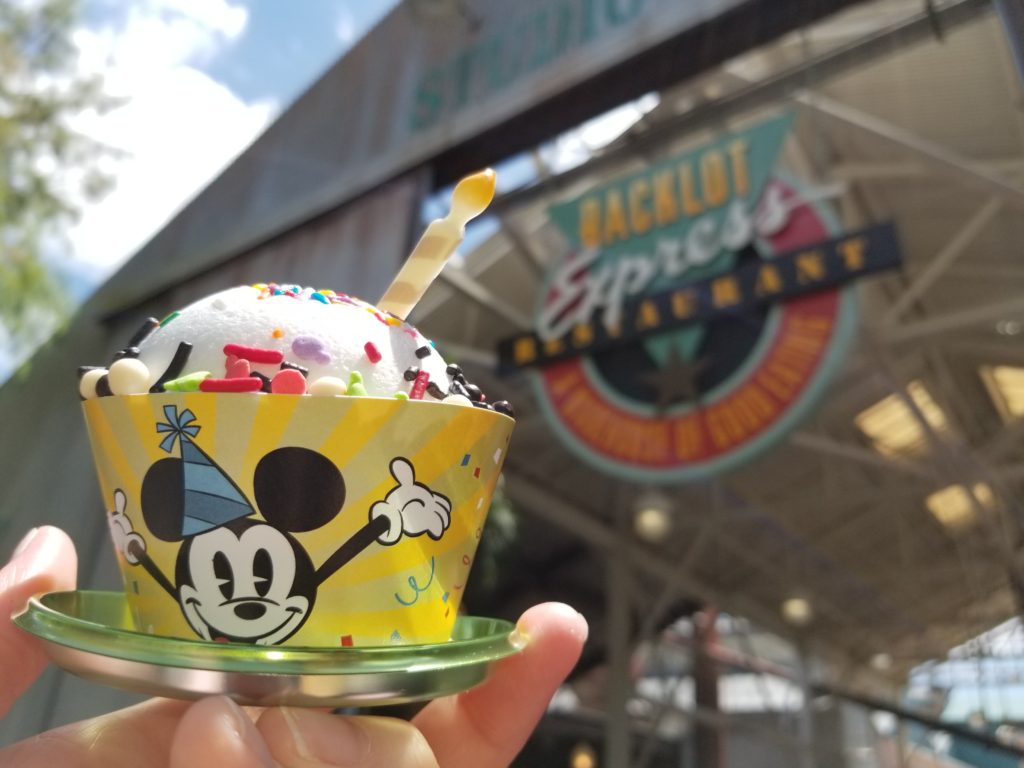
25 542
331 739
248 737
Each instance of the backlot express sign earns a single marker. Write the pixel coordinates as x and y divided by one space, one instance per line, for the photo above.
703 308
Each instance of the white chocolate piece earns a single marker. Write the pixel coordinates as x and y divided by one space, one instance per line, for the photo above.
128 376
87 384
327 386
458 400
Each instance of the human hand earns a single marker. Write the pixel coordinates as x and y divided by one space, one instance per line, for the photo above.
411 507
482 728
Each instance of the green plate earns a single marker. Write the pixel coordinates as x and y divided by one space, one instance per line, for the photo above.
90 634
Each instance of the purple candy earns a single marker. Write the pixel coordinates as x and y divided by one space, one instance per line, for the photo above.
310 348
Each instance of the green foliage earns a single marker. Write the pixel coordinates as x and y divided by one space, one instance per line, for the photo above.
45 166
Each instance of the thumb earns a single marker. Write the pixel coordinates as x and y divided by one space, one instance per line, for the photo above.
402 471
44 561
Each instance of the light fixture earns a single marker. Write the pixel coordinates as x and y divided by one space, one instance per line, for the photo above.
797 610
952 506
1009 327
894 429
1005 385
881 661
583 756
652 517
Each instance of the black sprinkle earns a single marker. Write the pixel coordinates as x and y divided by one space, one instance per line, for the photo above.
453 370
103 387
435 391
266 379
147 327
411 373
126 352
504 406
294 367
84 369
176 366
458 388
478 404
423 351
473 393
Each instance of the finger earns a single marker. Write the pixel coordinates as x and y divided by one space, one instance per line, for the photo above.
306 737
402 471
216 732
120 501
45 561
487 726
139 735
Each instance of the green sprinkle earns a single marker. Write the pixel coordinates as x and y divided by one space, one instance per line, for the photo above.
168 319
189 383
355 385
401 396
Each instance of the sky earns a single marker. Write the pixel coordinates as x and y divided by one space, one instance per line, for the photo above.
200 79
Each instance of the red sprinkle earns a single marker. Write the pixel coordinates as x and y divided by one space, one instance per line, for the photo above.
419 386
288 381
248 384
372 352
255 354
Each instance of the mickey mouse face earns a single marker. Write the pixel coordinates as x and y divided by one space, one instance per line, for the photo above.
246 582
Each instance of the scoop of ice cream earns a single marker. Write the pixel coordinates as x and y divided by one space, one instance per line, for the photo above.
286 340
256 329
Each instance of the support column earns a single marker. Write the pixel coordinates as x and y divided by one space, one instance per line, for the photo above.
620 684
707 733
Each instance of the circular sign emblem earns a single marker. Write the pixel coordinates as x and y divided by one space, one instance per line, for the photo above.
686 404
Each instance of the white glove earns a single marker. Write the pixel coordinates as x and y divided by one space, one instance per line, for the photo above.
121 530
411 507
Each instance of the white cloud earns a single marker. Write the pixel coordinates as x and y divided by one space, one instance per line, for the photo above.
178 126
346 27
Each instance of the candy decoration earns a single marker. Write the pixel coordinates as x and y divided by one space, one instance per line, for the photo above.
237 368
372 353
301 369
419 386
189 383
103 386
174 368
277 333
255 354
327 386
264 381
288 382
168 319
148 326
423 352
411 373
355 385
401 396
311 348
473 392
87 383
128 376
457 400
250 384
505 407
469 199
126 352
435 391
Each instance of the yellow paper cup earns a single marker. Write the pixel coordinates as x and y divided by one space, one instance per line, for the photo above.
311 521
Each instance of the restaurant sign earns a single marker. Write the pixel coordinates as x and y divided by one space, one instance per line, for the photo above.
704 306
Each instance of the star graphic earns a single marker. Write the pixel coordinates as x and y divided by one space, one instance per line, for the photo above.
675 380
